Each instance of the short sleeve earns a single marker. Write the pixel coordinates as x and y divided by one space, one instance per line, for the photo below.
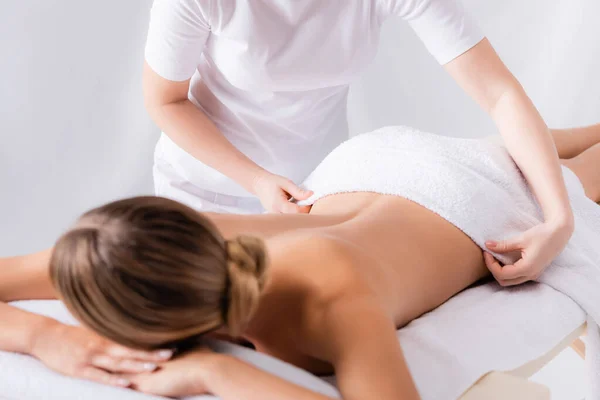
177 35
444 26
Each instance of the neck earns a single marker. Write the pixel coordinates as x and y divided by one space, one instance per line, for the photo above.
260 320
274 300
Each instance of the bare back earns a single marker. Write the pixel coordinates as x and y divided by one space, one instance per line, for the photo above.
409 258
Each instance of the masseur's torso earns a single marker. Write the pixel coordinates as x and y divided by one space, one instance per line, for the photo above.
274 75
387 245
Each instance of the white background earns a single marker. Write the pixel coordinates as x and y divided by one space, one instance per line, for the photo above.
74 134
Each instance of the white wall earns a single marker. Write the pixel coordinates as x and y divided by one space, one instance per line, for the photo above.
74 134
552 46
73 131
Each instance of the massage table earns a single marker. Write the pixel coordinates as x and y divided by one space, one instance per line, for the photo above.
449 351
515 384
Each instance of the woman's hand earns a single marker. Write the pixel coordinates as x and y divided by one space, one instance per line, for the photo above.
183 376
80 353
275 192
538 247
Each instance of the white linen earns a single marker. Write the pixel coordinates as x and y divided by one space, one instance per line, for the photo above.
482 329
475 185
24 378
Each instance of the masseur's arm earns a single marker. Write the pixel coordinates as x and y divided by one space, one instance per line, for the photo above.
188 126
481 73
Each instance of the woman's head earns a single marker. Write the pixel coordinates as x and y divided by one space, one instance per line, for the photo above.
148 272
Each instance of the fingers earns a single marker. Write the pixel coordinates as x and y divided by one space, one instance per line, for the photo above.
295 191
122 365
140 355
505 246
507 275
285 207
100 376
115 358
514 282
291 189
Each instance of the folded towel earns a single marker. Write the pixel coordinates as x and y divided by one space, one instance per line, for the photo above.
475 185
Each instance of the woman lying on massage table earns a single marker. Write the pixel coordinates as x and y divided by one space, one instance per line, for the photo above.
324 291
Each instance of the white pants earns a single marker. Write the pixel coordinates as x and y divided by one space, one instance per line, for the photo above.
168 183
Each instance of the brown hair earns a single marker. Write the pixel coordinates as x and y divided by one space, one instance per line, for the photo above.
148 272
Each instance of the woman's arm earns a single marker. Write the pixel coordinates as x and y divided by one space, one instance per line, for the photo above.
204 372
70 350
353 333
22 278
26 277
481 73
18 329
188 126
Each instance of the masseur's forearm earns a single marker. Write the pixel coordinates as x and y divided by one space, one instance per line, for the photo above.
529 142
232 379
194 132
483 76
191 129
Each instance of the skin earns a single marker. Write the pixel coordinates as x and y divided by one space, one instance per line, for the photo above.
342 280
481 74
168 105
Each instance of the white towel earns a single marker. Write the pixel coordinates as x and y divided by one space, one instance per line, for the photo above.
475 185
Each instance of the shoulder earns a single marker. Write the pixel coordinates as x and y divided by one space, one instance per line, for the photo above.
323 265
338 311
321 277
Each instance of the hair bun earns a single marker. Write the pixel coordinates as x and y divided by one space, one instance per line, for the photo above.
246 267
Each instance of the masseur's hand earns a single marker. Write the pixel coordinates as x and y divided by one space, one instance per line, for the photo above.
538 247
80 353
275 192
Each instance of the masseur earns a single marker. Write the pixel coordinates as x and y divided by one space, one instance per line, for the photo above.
251 95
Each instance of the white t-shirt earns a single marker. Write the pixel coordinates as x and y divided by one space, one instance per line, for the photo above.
274 75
